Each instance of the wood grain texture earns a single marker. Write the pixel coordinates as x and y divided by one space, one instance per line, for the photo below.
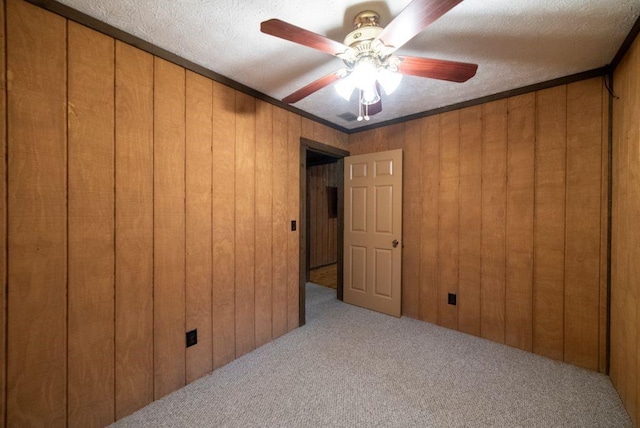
264 221
625 275
615 319
134 230
245 223
548 282
519 226
430 161
634 233
582 252
618 232
605 194
448 204
223 215
280 223
168 228
321 244
630 306
198 241
293 190
379 141
3 217
494 174
411 219
37 265
470 238
307 128
322 229
314 189
357 143
91 253
326 135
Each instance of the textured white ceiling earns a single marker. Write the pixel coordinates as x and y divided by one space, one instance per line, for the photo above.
515 43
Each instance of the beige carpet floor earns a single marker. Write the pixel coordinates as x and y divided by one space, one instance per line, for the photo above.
350 367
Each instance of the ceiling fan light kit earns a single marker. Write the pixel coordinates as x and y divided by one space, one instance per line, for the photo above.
371 63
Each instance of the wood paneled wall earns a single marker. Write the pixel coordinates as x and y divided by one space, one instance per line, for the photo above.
505 205
625 236
144 201
323 231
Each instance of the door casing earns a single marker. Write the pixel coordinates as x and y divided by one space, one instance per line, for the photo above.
305 146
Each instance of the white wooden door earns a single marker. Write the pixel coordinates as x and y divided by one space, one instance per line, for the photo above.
373 231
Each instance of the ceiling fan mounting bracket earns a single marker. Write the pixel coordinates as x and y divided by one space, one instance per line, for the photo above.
366 18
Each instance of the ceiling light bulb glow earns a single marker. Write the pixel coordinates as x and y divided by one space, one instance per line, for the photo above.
365 73
345 87
389 80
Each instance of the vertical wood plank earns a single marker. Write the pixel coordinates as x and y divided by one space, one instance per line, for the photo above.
134 229
470 220
245 222
293 190
307 129
168 228
322 194
519 227
3 215
430 161
378 141
37 268
582 252
198 134
327 135
627 287
615 308
550 159
604 236
494 175
617 130
91 175
312 183
333 182
264 220
410 135
280 222
223 224
620 353
357 143
633 236
448 217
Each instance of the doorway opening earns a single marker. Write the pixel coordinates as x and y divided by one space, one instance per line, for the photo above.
321 217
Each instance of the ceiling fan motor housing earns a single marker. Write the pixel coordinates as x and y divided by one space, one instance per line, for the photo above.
366 29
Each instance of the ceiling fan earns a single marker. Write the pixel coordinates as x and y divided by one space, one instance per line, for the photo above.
369 54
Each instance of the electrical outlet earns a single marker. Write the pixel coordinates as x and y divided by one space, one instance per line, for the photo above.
192 337
451 299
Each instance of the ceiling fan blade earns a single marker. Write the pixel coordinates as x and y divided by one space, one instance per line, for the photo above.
437 69
284 30
413 19
312 87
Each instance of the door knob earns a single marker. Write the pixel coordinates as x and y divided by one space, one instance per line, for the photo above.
395 243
